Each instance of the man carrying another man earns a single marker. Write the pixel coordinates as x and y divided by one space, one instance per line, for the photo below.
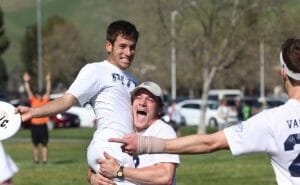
147 105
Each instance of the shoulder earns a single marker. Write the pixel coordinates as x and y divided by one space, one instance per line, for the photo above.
94 65
161 129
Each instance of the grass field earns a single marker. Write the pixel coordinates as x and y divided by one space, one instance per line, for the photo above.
67 163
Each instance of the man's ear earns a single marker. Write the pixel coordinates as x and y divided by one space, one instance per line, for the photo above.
108 46
283 74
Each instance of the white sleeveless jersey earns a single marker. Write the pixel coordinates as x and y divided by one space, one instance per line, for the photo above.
108 89
275 131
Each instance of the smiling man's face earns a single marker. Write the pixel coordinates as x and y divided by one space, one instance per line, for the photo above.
122 52
145 109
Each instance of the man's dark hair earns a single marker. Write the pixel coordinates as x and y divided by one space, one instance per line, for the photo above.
123 28
291 56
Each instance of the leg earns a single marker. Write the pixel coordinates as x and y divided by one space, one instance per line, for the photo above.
7 182
44 140
36 153
45 153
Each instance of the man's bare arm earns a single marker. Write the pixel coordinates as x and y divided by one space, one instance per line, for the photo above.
192 144
60 104
197 143
161 173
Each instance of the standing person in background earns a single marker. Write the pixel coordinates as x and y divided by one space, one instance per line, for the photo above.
39 129
174 113
239 109
274 131
223 112
7 168
175 116
106 85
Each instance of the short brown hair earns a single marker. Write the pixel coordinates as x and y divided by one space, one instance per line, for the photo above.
291 55
121 27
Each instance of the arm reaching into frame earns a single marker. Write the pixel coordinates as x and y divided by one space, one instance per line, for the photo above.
193 144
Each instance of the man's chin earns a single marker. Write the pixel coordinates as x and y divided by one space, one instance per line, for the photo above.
125 65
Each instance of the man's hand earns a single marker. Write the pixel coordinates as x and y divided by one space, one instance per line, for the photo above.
25 112
26 77
48 77
98 179
130 143
108 166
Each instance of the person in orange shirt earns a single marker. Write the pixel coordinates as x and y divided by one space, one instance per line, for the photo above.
39 130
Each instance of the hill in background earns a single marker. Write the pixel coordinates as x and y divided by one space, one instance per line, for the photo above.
91 18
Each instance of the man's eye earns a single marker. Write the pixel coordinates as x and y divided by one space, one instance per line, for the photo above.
151 100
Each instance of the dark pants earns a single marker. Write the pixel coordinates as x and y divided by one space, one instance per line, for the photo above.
39 134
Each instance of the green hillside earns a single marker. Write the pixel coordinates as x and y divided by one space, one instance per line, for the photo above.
91 18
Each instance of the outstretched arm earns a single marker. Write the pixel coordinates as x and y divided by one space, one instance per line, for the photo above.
60 104
197 143
26 79
160 173
192 144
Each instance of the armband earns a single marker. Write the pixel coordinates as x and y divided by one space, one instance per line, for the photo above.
150 145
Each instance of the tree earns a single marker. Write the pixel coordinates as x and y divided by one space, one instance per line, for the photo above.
63 54
4 43
223 37
211 38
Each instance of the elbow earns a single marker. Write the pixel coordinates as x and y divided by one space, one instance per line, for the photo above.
166 180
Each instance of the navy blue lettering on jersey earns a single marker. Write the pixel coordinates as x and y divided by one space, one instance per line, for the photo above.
124 81
293 123
136 161
289 144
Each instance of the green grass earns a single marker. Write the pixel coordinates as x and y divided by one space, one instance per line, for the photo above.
67 162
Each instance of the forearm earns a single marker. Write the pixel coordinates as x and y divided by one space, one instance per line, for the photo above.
196 144
53 107
27 89
161 173
48 88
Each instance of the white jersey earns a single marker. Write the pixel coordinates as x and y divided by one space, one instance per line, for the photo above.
275 131
7 167
107 88
161 130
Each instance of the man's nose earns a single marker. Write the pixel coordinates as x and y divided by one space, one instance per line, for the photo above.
143 102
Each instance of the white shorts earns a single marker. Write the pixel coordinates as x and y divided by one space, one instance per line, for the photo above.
7 166
95 151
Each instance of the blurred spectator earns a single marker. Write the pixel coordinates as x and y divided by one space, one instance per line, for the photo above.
174 113
243 110
223 111
175 116
39 129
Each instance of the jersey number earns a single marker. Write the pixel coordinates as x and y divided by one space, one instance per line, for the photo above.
289 144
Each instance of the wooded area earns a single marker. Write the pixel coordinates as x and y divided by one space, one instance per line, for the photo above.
217 42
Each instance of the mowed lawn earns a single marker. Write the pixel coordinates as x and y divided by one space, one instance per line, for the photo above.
67 163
